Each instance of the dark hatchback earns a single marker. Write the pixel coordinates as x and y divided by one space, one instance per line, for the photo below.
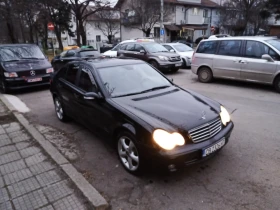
72 55
153 53
145 114
22 66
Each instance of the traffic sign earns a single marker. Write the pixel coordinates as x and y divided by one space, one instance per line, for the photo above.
50 26
162 32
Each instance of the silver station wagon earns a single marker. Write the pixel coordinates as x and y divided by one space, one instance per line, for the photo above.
254 59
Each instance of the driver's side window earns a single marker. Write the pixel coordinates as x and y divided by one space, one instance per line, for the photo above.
85 82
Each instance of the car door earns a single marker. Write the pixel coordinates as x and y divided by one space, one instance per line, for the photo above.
66 85
227 61
129 50
253 67
140 53
94 113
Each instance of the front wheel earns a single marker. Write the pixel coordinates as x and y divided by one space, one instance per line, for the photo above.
128 153
205 75
154 64
277 84
59 110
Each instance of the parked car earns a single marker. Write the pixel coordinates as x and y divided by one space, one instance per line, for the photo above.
217 36
153 53
182 41
253 59
198 40
22 66
71 55
113 52
184 51
147 116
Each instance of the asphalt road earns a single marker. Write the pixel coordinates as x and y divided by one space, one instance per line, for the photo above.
244 175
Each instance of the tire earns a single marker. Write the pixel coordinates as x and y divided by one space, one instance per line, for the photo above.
128 153
154 64
277 84
175 70
59 110
205 75
3 87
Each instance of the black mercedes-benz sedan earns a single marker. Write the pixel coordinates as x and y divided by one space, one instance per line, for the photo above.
148 117
22 66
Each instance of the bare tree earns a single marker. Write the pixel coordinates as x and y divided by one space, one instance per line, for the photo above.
144 14
109 23
82 9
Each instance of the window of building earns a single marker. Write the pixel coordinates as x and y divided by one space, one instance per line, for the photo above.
195 11
98 38
205 13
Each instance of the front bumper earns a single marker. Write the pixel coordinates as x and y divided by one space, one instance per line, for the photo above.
163 65
190 153
22 82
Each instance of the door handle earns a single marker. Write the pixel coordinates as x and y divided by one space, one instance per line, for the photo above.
244 62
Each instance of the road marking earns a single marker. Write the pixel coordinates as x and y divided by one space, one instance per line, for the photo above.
17 103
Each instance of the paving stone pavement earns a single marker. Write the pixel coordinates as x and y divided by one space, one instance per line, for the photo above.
28 178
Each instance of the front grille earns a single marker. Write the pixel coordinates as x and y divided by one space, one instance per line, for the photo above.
175 58
27 73
206 131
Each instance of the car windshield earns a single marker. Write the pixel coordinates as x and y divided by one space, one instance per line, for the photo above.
10 53
155 47
131 79
275 43
182 48
89 53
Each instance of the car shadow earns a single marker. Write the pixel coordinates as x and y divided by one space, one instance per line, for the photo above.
29 90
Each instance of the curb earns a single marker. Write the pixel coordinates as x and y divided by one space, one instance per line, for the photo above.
88 191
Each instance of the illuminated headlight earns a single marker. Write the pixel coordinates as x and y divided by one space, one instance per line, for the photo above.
163 58
224 116
49 70
10 74
168 141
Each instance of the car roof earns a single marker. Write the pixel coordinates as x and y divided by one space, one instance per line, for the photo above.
259 38
14 45
109 62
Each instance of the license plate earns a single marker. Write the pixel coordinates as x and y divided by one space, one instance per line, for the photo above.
213 148
178 64
34 80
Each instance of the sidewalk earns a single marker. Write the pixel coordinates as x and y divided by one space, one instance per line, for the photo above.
29 178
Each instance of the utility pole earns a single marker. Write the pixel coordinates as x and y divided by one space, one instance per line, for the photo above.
161 21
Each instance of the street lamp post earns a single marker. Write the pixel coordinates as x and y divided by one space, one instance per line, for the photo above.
161 21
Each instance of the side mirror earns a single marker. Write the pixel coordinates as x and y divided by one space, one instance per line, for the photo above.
91 96
173 51
142 51
267 57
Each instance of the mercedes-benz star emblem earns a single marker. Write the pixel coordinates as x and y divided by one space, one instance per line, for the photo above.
32 73
203 115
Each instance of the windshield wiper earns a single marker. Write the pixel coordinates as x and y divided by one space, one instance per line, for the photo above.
155 88
31 58
129 94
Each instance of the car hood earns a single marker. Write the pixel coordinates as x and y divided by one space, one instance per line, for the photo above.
24 65
188 54
171 108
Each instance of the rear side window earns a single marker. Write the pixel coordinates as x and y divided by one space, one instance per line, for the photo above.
85 82
230 47
72 73
208 47
138 48
130 47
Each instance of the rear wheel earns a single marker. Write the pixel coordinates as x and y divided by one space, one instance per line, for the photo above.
154 64
128 153
59 110
205 75
277 84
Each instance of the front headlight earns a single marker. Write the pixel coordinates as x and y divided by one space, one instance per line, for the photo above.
224 116
163 58
10 74
168 141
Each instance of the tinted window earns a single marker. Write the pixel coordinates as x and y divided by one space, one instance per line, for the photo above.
62 72
168 47
130 47
72 73
207 47
131 79
138 48
123 47
256 49
85 82
116 48
230 47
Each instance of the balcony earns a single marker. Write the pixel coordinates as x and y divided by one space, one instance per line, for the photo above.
131 20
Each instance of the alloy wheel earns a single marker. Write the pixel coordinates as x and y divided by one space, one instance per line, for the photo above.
58 109
128 153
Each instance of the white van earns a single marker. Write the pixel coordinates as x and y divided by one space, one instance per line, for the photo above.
253 59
